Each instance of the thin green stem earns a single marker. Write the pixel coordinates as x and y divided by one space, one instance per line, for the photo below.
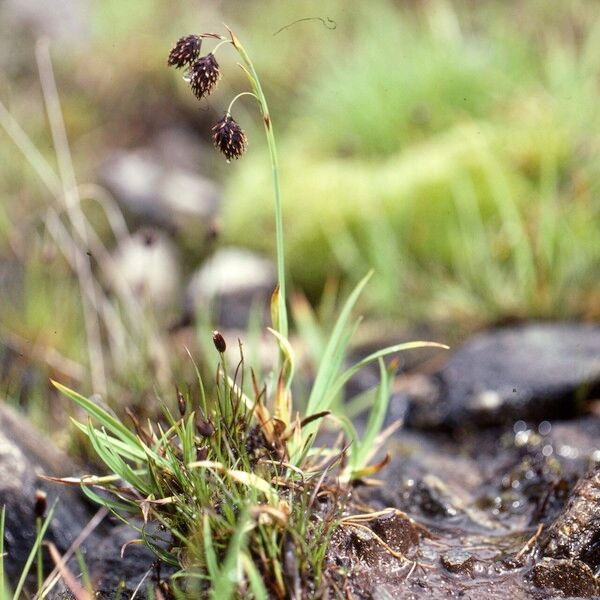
219 45
282 324
226 400
40 562
2 582
239 96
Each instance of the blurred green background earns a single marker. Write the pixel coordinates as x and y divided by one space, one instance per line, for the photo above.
452 146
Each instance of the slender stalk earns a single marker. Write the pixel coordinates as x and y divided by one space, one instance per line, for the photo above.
3 591
40 562
282 325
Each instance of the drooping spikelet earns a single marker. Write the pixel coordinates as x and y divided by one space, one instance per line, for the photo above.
185 51
204 75
229 137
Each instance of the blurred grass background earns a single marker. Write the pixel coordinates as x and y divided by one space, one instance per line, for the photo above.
452 146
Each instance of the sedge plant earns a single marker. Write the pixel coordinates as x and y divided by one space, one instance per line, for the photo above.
233 490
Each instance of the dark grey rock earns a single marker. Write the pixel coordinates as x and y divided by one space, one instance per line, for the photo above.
233 282
109 569
59 19
575 534
147 262
153 192
118 569
537 371
24 455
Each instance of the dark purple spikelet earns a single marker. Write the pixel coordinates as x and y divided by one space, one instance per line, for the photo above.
229 137
219 341
185 51
204 75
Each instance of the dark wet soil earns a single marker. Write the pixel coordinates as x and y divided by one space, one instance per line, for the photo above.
503 513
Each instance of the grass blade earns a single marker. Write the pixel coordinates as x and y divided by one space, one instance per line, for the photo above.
361 451
123 448
225 585
326 370
32 554
111 423
3 590
341 381
209 550
257 585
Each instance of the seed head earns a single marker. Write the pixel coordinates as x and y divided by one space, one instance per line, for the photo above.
204 428
204 75
181 403
40 503
185 51
219 341
229 137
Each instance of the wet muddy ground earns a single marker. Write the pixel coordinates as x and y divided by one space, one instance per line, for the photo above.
511 512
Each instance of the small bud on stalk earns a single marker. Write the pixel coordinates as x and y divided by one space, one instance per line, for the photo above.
181 404
204 428
219 342
41 504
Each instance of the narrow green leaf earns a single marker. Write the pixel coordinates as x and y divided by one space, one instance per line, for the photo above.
360 451
111 423
257 585
113 505
116 463
187 440
209 550
341 381
125 449
325 400
2 524
288 353
225 585
85 573
308 327
324 374
32 554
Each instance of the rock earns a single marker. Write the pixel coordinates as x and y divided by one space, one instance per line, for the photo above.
113 575
152 192
117 568
24 455
385 537
575 534
570 577
457 561
110 571
398 531
148 264
180 148
365 546
234 281
62 19
532 372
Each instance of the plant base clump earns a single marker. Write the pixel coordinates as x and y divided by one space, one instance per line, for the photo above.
212 492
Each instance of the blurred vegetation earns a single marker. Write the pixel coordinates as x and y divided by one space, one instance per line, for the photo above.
454 150
453 146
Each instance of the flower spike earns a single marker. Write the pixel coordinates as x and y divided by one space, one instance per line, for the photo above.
185 51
